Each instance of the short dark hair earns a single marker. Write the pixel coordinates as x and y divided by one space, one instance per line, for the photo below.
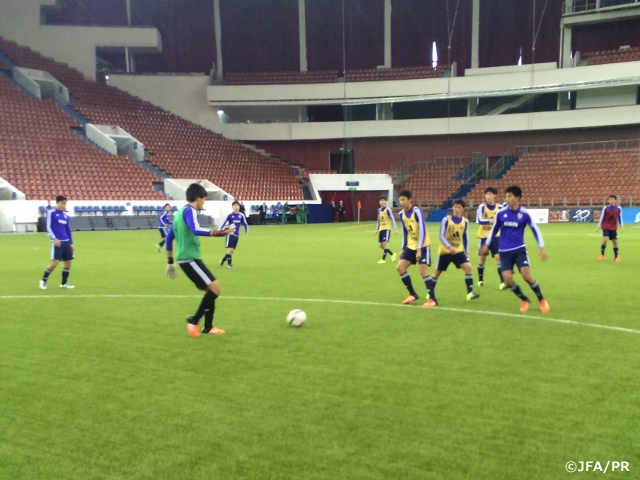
167 204
515 190
460 202
196 191
405 193
613 196
493 190
382 197
61 198
235 202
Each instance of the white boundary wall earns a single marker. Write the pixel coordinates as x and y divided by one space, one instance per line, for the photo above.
338 182
27 212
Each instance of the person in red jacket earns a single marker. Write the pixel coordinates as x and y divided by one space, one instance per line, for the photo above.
609 220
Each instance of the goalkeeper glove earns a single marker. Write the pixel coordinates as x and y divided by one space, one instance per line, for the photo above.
172 271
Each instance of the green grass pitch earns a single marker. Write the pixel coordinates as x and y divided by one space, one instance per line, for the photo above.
102 382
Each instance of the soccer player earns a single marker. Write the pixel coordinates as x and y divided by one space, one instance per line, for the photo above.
453 248
186 231
164 224
485 218
511 222
609 220
416 246
383 229
235 218
62 247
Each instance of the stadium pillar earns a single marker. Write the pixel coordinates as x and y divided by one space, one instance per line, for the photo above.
387 33
217 24
475 35
565 46
302 32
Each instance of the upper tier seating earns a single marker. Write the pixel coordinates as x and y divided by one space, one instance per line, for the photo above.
178 147
550 177
364 75
276 78
613 56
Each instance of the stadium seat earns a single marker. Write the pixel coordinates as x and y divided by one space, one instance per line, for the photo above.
179 148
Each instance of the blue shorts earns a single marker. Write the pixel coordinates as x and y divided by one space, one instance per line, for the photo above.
493 248
517 257
410 256
444 260
384 236
612 234
62 253
232 241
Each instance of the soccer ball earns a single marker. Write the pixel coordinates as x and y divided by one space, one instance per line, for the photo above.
296 318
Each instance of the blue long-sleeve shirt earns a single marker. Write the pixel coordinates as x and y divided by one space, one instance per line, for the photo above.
164 219
237 219
190 216
58 226
511 225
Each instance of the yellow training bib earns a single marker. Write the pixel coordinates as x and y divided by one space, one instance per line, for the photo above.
384 219
454 235
487 214
412 227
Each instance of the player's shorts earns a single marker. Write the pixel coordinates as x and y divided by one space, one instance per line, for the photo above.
163 232
197 272
444 260
517 257
62 253
493 248
410 256
384 236
612 234
232 241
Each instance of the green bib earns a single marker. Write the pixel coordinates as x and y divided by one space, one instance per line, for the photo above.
188 244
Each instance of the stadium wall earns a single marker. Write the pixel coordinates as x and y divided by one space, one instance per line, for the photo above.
74 45
607 97
263 36
520 122
382 153
183 95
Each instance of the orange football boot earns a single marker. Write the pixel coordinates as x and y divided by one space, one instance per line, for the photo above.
193 330
618 259
410 299
215 331
544 306
430 303
601 258
524 306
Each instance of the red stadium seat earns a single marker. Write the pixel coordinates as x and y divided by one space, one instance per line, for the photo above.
36 133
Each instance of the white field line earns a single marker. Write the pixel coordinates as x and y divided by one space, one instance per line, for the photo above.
339 302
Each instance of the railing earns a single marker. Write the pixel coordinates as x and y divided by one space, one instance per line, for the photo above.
561 147
581 6
462 161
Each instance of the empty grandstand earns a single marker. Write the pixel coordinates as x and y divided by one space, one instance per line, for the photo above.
175 146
